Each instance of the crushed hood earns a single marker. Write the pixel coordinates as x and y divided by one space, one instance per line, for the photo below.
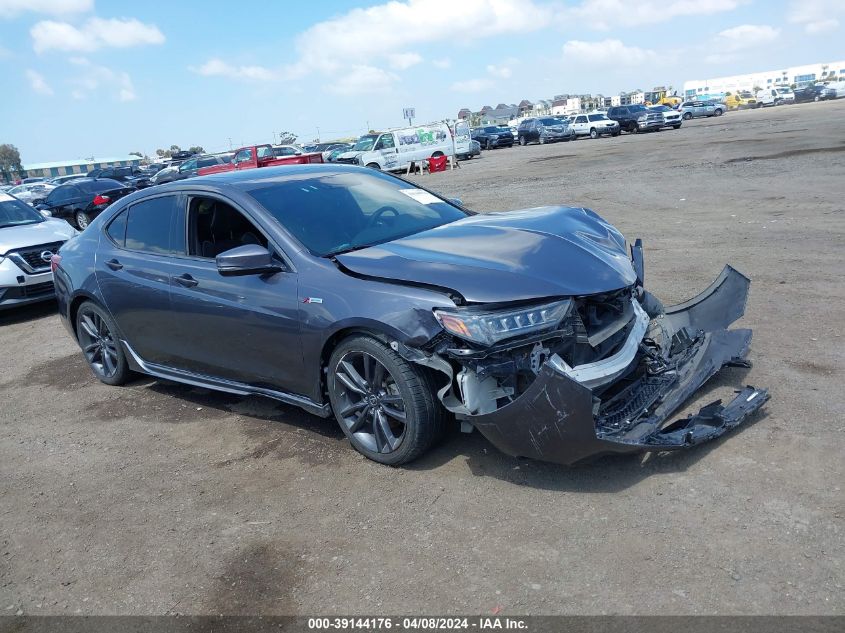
512 256
26 235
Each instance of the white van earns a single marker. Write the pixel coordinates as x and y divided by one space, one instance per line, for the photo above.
839 87
786 94
768 97
396 149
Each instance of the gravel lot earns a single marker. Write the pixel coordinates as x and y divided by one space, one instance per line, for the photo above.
159 498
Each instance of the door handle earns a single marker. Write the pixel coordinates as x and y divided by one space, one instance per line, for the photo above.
114 264
186 280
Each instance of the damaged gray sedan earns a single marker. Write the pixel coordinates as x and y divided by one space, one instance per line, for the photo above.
358 295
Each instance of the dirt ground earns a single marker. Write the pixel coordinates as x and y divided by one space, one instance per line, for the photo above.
159 498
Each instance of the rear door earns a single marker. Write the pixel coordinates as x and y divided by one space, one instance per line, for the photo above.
133 269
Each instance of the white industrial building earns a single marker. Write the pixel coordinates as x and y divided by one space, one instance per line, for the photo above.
78 166
798 75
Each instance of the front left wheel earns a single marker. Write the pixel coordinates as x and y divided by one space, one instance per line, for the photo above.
386 406
97 335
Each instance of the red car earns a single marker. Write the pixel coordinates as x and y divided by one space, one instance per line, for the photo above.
259 156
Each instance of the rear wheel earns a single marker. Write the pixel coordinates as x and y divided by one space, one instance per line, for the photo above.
385 405
374 166
687 116
489 144
718 112
82 220
522 141
98 339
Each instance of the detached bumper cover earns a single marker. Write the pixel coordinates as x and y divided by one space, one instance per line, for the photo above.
559 419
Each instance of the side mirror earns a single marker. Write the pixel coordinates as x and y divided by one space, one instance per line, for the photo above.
457 202
42 206
250 259
45 213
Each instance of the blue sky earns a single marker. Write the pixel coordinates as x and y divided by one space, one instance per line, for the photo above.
90 77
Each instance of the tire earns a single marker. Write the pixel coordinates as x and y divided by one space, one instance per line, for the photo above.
541 141
677 127
594 133
374 166
816 98
686 116
489 144
437 154
82 220
616 133
522 141
718 112
633 129
403 388
97 336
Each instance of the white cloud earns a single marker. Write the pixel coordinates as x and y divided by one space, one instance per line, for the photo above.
11 8
606 53
94 34
363 79
746 36
443 63
95 80
472 85
38 84
604 14
503 72
817 16
218 68
821 26
362 35
402 61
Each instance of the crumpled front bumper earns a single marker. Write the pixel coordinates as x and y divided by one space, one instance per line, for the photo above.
559 419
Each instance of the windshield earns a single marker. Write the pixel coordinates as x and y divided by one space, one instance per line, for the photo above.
661 108
550 122
13 212
340 212
637 108
365 143
600 117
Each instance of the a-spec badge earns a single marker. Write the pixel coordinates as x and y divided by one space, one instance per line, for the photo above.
312 300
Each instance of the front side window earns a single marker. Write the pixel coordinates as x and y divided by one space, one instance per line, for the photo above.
148 226
340 212
215 227
243 156
385 142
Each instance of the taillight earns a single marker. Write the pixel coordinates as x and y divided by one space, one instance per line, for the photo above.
55 260
100 199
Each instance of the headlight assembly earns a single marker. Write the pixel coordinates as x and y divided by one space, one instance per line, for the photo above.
490 327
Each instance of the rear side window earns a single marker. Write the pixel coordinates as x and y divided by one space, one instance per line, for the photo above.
148 226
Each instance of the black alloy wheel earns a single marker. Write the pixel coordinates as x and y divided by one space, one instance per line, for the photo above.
100 345
384 405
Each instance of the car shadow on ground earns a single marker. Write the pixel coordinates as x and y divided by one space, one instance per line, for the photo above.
29 312
609 473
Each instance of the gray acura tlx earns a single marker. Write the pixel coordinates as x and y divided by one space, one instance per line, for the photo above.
357 295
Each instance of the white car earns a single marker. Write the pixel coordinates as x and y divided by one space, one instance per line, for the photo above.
594 125
671 117
28 241
786 94
769 97
32 193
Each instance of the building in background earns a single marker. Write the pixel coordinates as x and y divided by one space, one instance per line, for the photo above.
78 166
796 76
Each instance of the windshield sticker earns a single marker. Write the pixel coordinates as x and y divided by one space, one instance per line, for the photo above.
421 196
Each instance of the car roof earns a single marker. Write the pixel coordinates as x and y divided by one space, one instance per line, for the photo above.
250 178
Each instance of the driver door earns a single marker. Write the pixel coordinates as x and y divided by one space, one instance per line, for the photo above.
386 147
243 328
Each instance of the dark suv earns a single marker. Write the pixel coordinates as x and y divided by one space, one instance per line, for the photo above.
544 130
492 136
636 118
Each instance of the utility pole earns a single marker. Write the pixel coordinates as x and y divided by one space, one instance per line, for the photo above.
318 133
